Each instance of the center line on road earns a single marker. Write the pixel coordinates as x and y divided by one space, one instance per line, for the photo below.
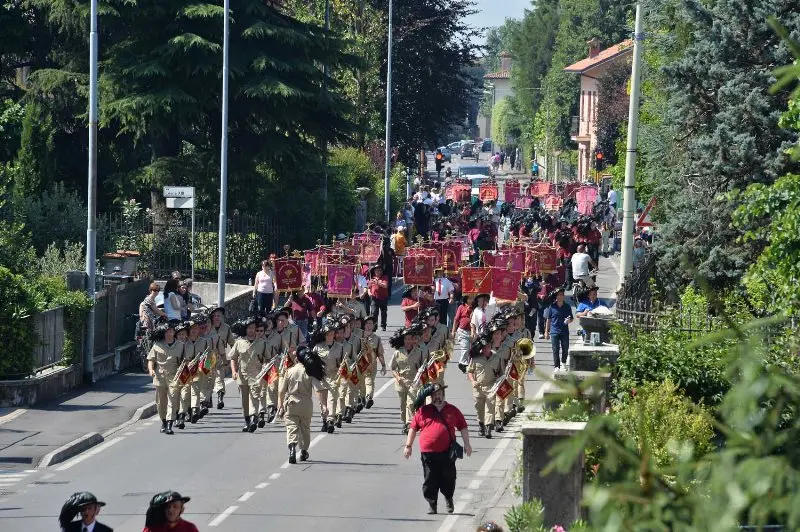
246 496
475 484
262 485
274 476
450 522
224 515
494 457
97 450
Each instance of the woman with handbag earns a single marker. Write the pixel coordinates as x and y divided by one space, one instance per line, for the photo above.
437 424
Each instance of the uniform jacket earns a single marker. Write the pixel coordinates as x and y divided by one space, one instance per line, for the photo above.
250 358
77 526
167 359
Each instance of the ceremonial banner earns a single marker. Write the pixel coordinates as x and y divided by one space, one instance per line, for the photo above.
314 263
288 276
523 202
502 388
360 238
476 281
451 253
448 192
542 260
418 271
508 259
363 363
487 192
420 252
505 284
370 252
488 257
462 193
438 255
542 188
511 189
340 280
552 202
570 189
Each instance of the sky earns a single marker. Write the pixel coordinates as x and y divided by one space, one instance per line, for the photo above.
493 12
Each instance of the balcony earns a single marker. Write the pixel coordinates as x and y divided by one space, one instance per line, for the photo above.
574 126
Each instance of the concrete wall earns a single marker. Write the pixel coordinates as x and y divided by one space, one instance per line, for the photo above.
49 326
27 392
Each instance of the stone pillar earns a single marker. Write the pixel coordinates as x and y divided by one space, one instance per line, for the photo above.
561 494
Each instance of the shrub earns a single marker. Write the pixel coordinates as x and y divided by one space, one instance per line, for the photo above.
58 215
55 262
16 327
526 517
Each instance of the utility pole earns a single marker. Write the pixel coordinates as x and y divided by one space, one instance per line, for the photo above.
387 204
325 139
629 198
223 173
91 218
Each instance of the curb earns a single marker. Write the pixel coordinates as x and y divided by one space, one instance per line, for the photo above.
505 485
73 448
89 440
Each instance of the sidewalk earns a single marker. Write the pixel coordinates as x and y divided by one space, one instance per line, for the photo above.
28 435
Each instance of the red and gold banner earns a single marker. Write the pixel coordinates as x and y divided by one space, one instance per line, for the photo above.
523 202
570 189
552 202
504 389
288 275
462 193
476 281
418 270
505 284
541 189
487 192
360 238
511 189
313 260
451 252
340 280
438 254
541 260
370 252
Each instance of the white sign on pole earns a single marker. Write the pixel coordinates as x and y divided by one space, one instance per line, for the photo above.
180 203
178 192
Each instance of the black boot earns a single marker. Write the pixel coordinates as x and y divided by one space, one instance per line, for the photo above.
195 415
331 426
370 402
169 427
163 426
338 421
348 415
203 409
360 405
481 429
489 431
498 426
220 402
448 503
253 424
181 424
303 456
324 425
273 410
261 420
520 408
246 427
292 453
431 508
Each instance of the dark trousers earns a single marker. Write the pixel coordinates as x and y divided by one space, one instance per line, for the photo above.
530 320
379 305
560 342
540 316
440 475
264 302
442 305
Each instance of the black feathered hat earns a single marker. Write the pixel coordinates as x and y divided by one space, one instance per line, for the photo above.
396 341
158 332
425 392
477 346
215 308
73 506
240 327
311 361
183 326
156 513
407 290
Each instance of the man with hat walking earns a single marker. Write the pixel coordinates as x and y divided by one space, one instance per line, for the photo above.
87 505
437 424
483 370
162 363
248 356
405 364
221 339
164 514
379 293
330 352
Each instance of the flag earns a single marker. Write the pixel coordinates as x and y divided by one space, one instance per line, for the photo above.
272 374
354 375
432 372
184 376
363 363
205 364
421 377
513 371
440 365
343 373
505 389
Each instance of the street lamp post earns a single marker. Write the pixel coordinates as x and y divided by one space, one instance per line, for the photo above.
91 219
388 146
223 174
325 143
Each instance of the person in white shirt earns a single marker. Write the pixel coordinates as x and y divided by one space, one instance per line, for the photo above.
484 309
443 291
580 266
612 197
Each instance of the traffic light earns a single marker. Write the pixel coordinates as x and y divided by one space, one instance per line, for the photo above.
439 161
599 162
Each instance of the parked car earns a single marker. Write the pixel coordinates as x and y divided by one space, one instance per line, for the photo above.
454 147
487 145
448 154
467 150
469 171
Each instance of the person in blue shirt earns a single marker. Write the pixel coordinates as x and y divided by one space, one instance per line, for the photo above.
589 304
558 316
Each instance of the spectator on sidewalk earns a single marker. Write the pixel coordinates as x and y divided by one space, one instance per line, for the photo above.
148 310
399 241
87 505
437 424
164 514
264 288
558 316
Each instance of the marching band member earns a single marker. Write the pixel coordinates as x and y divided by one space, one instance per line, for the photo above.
351 348
289 332
329 351
502 347
224 340
162 363
196 345
372 347
295 400
184 390
483 369
247 359
405 364
264 332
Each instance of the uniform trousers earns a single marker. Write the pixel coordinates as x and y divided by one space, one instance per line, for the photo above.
200 388
269 396
251 399
407 396
167 400
348 392
331 396
185 398
462 346
484 404
440 476
298 427
368 380
219 374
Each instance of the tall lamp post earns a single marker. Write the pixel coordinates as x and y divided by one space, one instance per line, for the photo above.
325 142
223 173
91 219
388 168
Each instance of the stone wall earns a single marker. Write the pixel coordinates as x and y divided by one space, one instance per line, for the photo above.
49 385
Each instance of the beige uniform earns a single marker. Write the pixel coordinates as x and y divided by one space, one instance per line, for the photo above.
250 357
201 380
332 356
519 388
298 390
224 341
406 365
352 391
485 371
504 353
292 336
367 382
275 348
167 358
356 308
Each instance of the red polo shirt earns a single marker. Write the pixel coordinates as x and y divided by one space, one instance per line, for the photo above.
462 317
410 314
434 436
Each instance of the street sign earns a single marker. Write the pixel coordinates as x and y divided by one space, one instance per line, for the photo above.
644 219
179 192
180 203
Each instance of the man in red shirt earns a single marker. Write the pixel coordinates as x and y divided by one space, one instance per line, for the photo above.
379 294
410 304
437 424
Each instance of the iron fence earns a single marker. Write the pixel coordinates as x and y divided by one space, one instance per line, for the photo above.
165 242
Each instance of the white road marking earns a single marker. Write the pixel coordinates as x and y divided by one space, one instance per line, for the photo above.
451 520
262 485
384 387
129 434
30 471
49 475
246 496
475 484
274 476
465 496
13 475
494 457
12 416
96 450
224 515
310 446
